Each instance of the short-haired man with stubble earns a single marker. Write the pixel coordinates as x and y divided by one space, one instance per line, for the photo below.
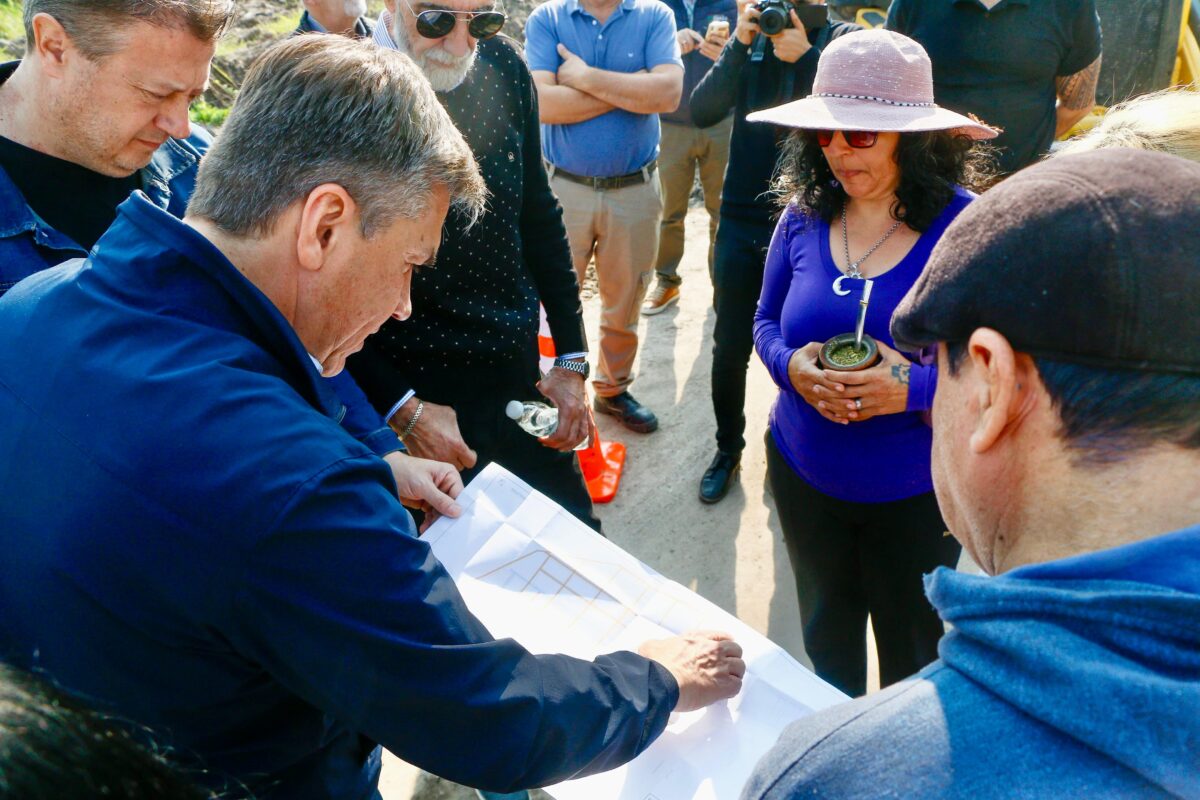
1027 67
97 109
604 71
190 538
1066 459
443 378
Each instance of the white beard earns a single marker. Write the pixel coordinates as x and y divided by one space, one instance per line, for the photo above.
355 8
444 71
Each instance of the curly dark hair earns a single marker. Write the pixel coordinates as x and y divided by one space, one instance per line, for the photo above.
931 163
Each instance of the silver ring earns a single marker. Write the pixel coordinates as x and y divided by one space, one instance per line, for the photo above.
858 404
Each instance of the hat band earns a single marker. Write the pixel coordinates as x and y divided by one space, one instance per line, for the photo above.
874 99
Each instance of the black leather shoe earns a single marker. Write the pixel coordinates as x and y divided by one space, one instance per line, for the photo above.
719 476
630 412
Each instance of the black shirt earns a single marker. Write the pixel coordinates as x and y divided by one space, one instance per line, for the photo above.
1001 64
475 314
74 200
747 82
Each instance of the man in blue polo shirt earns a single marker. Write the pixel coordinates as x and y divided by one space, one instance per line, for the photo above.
1028 67
604 70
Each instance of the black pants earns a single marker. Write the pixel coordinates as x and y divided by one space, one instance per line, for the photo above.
738 258
495 437
851 559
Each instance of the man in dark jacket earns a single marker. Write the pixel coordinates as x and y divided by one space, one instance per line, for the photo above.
443 378
1066 450
229 567
703 29
754 72
99 108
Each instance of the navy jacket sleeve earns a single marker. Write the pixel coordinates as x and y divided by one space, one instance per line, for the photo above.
341 604
361 420
378 375
544 237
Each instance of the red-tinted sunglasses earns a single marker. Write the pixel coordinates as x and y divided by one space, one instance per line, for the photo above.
856 139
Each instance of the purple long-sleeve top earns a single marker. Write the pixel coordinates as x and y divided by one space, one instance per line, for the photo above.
881 459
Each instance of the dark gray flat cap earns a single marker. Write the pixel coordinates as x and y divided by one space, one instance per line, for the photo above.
1091 258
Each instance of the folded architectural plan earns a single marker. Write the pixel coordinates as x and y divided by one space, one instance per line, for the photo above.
531 571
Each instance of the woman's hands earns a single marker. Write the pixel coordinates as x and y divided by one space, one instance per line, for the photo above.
882 389
813 383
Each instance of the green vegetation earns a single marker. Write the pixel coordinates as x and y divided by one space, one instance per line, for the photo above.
274 28
12 28
208 115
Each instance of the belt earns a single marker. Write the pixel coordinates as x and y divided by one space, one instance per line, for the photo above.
618 182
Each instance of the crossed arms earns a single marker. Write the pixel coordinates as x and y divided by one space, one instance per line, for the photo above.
578 92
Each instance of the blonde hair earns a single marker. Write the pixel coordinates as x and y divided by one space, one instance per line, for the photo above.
1166 121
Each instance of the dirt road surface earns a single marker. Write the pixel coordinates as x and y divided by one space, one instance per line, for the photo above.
732 553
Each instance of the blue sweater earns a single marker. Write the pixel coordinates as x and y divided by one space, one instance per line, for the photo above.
191 541
1077 678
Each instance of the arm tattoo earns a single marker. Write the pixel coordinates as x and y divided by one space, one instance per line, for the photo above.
1079 90
900 373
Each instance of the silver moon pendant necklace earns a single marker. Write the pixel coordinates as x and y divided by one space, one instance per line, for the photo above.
852 266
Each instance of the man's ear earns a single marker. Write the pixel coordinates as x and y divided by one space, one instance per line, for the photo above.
1003 382
51 44
329 215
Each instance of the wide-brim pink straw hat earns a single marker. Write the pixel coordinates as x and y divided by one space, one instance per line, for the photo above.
875 80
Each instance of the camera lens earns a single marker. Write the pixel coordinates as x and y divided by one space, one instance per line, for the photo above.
773 19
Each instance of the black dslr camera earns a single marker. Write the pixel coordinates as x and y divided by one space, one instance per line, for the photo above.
773 16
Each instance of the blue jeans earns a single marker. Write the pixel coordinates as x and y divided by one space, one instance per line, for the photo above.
521 795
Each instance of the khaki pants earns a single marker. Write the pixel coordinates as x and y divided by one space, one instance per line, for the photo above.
683 149
620 228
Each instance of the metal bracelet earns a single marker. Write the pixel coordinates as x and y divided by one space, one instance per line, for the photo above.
412 423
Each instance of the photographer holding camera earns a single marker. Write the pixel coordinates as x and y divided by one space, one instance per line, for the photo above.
771 60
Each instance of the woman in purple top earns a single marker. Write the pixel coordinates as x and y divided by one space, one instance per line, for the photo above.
870 182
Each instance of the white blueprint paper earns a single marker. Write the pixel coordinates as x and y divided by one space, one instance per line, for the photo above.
531 571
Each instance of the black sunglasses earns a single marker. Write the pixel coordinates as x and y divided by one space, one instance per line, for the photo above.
859 140
434 23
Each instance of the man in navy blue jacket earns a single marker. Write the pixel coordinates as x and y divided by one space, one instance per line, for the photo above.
97 108
227 565
1066 450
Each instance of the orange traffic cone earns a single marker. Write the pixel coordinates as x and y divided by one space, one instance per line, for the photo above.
602 462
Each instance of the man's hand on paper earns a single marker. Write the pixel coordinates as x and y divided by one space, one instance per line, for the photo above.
707 665
430 486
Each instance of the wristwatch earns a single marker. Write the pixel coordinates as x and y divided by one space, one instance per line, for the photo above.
576 365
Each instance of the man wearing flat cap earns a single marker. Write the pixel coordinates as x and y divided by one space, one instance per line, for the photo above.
1066 459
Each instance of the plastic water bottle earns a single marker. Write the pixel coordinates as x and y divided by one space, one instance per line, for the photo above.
538 419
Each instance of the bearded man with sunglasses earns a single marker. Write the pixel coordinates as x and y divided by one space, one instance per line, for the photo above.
442 378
